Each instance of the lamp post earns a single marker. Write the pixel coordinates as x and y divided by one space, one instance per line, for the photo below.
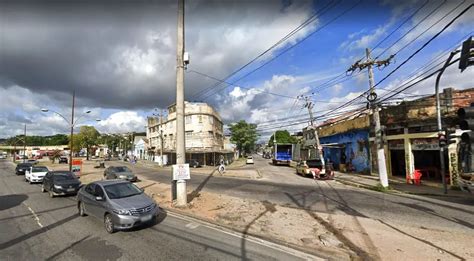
71 123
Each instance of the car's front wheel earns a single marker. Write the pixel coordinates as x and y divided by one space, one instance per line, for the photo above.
109 224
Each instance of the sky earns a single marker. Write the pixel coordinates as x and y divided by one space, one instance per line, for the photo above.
120 58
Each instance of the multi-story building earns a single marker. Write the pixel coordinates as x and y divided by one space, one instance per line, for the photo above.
204 134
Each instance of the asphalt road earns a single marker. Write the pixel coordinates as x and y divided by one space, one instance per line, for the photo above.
282 186
36 227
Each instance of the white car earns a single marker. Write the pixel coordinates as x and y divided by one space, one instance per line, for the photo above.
36 174
249 160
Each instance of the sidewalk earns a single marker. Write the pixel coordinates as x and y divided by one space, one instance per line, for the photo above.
398 185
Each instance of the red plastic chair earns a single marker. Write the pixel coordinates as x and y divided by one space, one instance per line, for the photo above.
417 177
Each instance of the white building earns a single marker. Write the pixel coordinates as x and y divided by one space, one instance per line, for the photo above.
204 134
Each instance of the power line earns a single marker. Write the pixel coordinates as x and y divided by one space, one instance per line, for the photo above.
294 31
413 28
328 84
291 47
425 44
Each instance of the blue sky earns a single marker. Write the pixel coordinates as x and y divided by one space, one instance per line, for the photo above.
121 58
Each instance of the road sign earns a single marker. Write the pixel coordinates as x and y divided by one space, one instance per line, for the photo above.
181 171
77 166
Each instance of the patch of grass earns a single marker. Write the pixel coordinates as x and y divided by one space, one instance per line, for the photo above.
380 188
455 187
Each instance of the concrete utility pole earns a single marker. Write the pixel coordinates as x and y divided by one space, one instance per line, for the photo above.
381 161
181 197
161 138
24 145
72 130
309 105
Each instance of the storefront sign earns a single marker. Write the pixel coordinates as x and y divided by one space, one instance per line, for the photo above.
181 171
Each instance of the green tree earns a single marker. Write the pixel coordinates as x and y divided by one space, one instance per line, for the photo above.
87 137
244 135
282 136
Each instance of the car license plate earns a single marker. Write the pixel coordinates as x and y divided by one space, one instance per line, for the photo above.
145 218
70 189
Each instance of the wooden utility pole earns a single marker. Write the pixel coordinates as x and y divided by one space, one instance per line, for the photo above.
181 194
369 63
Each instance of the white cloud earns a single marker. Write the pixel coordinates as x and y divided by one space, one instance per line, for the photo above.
121 122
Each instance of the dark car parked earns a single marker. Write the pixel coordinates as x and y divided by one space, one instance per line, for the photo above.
63 159
60 183
22 167
119 203
194 163
119 172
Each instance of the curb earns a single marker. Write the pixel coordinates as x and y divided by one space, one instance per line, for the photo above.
329 255
393 191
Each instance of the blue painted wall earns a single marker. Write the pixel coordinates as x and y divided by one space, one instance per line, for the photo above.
356 149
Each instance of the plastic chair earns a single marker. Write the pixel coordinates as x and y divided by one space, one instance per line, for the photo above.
417 177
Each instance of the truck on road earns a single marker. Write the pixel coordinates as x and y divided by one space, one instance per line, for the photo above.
282 154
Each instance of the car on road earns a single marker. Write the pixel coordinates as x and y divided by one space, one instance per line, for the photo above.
119 172
3 156
60 183
194 164
36 173
119 203
21 157
313 167
33 161
249 160
63 159
22 167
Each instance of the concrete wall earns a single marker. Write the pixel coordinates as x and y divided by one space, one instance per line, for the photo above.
356 149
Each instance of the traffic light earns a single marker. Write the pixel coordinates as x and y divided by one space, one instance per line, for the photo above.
466 150
467 54
466 116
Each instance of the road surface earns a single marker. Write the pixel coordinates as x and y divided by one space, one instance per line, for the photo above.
36 227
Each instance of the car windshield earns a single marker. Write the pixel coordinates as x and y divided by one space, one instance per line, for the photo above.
121 169
314 163
40 169
63 176
121 190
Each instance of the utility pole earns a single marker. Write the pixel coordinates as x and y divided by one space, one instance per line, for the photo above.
381 162
24 145
161 138
181 194
309 105
72 131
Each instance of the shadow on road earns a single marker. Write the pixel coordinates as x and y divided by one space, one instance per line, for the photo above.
10 201
329 227
195 192
36 232
38 212
67 248
269 207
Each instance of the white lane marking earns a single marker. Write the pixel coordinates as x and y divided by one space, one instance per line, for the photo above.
34 215
249 238
192 225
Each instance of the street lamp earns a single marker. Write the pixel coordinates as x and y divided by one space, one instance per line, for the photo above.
71 123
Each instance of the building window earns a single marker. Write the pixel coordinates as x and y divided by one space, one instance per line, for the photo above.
189 133
200 118
211 119
211 134
189 119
